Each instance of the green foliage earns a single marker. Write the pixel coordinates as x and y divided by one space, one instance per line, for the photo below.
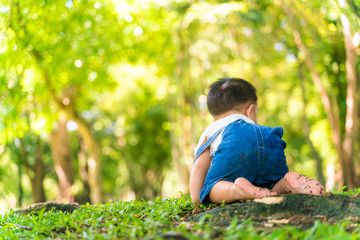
158 219
137 72
58 56
54 48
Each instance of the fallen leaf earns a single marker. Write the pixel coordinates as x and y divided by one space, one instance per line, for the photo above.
279 221
269 200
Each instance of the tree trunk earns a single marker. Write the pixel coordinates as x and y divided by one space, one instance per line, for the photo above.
60 149
136 179
351 124
21 192
93 158
316 155
176 153
180 134
37 181
91 144
144 182
35 173
18 157
84 196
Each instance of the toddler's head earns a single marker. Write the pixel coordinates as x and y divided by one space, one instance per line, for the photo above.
231 94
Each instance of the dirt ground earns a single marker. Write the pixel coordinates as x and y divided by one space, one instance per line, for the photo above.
298 210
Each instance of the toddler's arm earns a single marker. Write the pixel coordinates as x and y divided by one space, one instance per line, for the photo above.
198 174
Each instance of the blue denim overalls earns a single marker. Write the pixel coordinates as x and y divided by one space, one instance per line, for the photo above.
247 150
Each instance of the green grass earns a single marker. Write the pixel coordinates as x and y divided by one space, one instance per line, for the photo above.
347 193
159 219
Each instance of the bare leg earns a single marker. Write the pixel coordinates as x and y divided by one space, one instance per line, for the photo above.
297 183
241 189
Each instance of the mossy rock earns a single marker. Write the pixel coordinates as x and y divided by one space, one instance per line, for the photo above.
48 207
294 209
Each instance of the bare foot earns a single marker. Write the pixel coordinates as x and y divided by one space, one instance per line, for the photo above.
244 190
297 183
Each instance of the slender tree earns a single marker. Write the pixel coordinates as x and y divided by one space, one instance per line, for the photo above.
61 153
344 147
351 42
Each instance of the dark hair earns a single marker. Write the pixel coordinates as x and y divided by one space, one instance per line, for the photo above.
227 93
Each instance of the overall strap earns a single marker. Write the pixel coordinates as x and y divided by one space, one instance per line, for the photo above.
207 143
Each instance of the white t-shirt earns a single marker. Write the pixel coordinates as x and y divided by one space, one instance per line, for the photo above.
215 126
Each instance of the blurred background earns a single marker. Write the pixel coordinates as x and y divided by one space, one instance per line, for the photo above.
105 100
